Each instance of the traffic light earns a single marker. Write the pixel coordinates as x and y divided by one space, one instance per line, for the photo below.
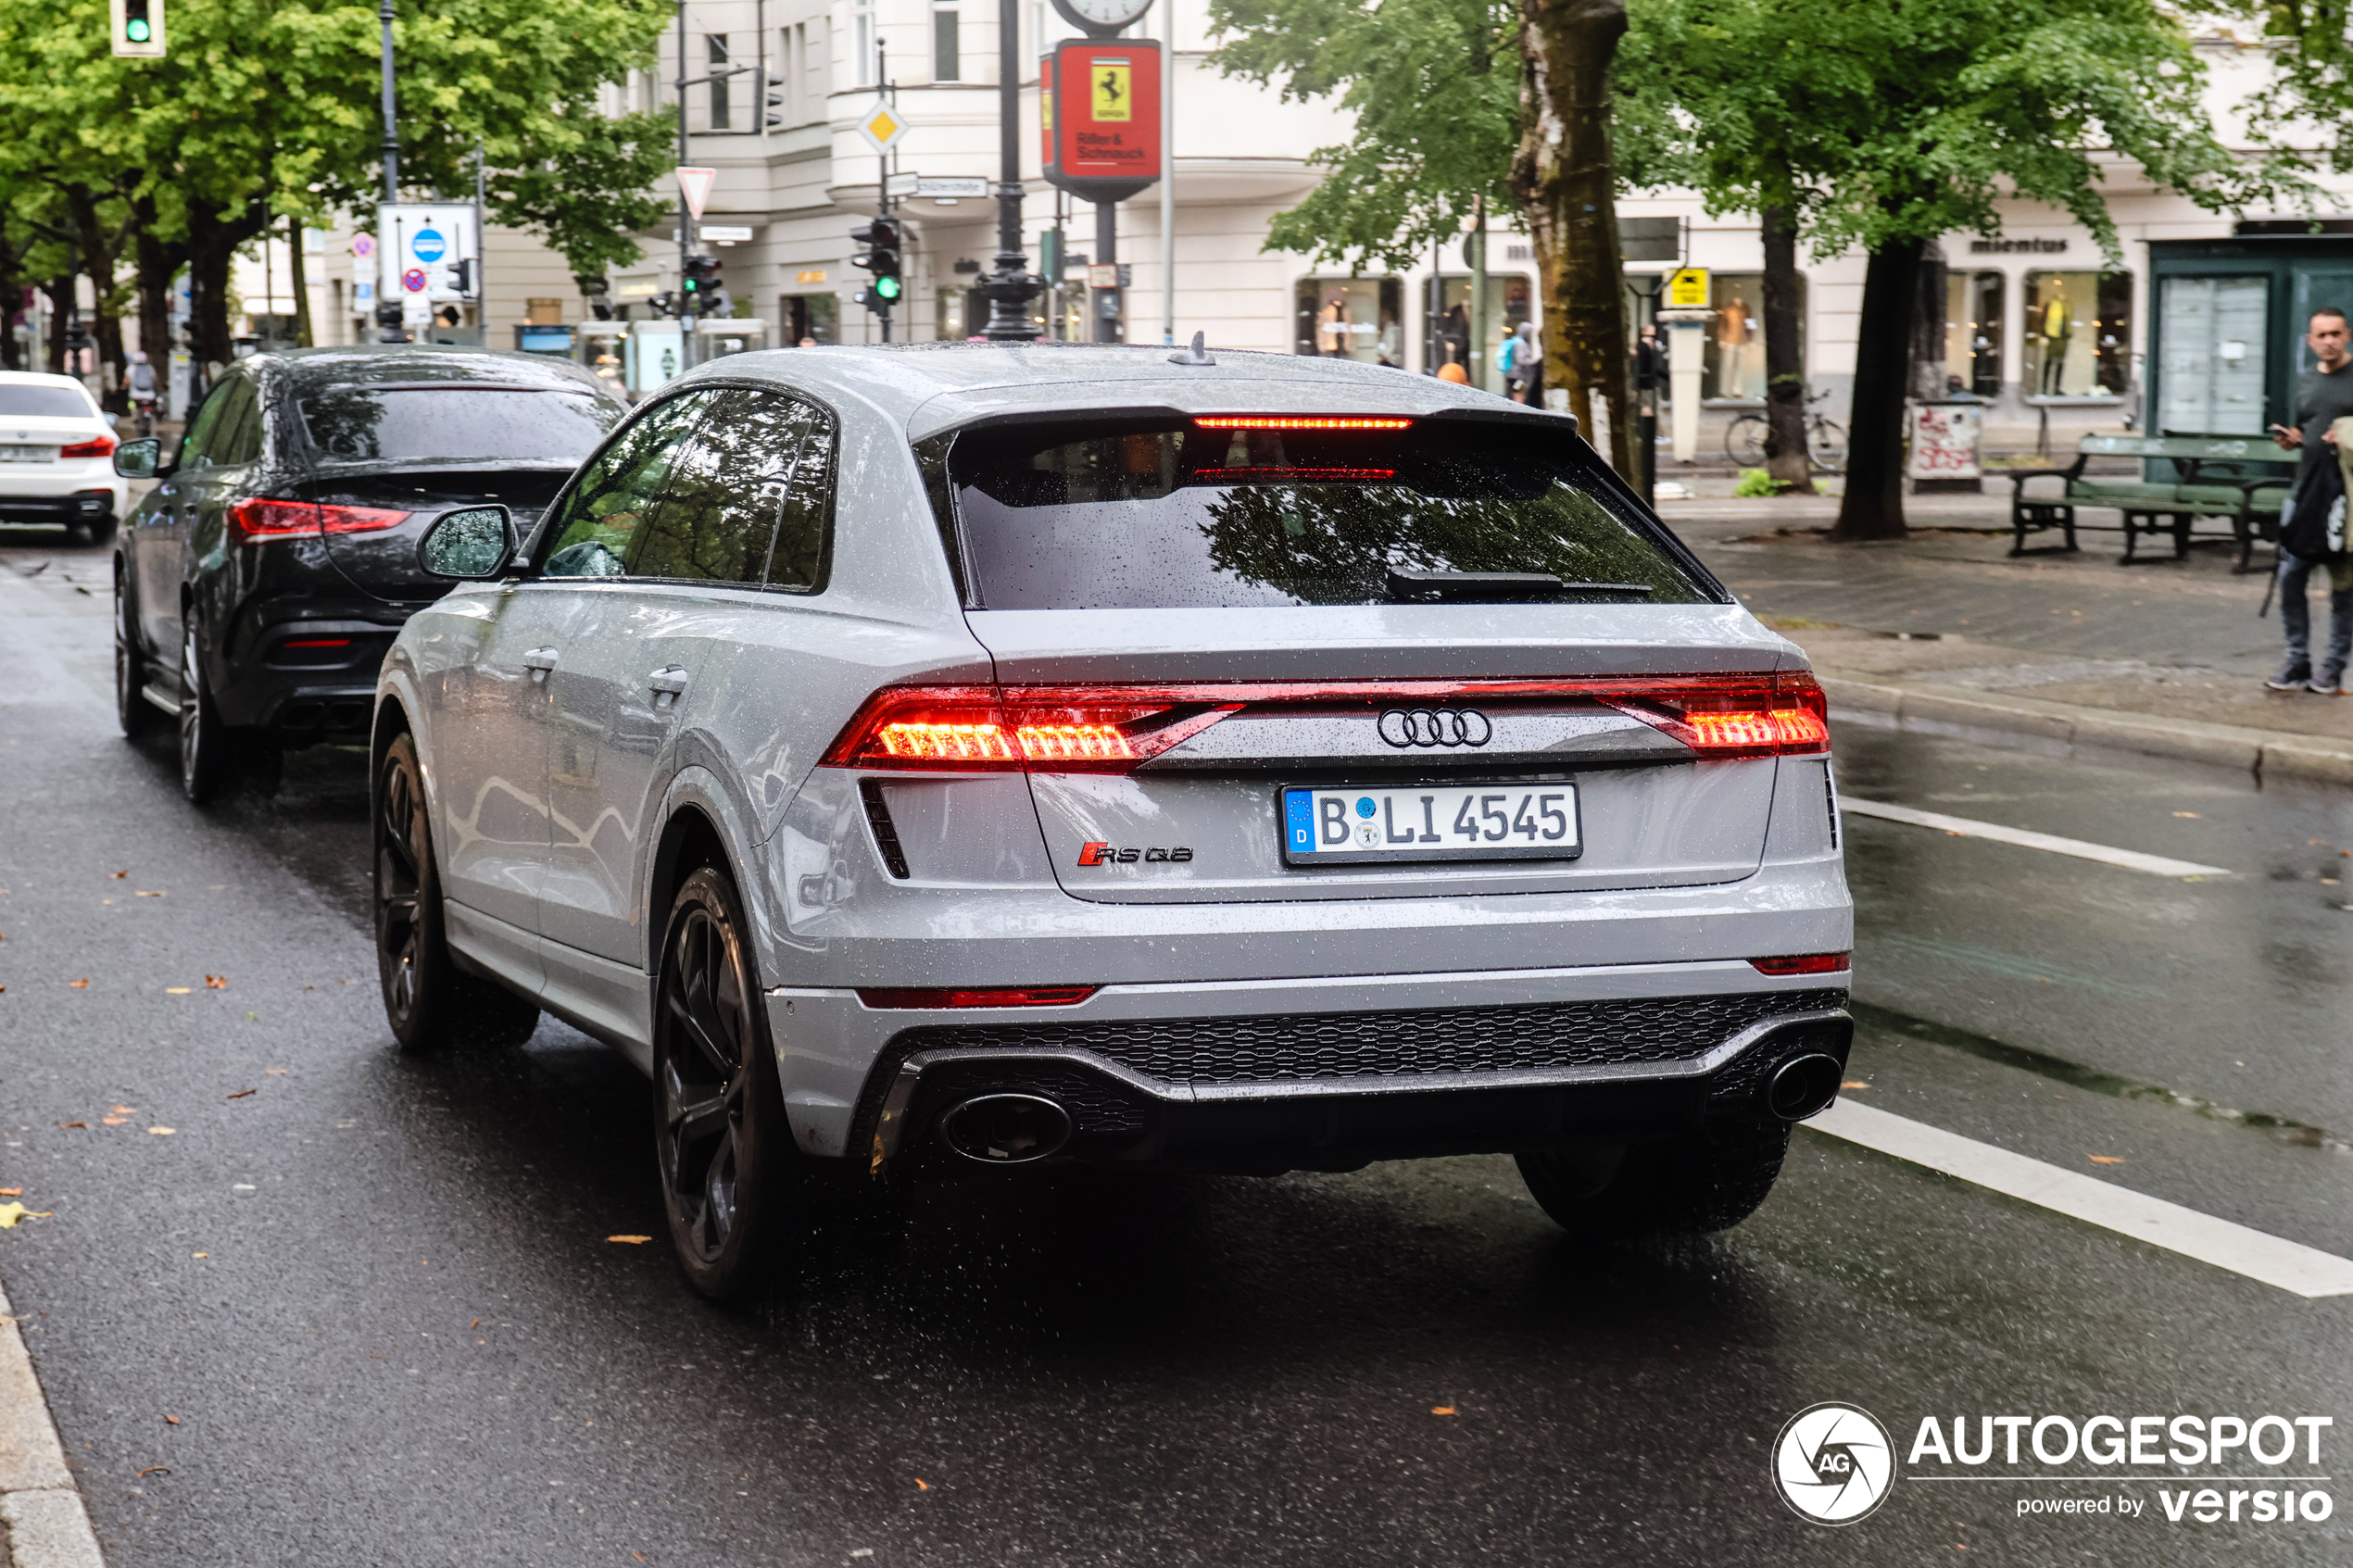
138 28
699 290
776 106
880 257
461 277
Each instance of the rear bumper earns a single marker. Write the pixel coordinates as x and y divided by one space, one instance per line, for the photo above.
1283 1075
95 504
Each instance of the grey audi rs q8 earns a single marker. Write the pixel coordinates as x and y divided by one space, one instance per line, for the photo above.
967 756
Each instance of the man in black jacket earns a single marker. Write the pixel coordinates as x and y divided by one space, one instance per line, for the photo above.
2312 530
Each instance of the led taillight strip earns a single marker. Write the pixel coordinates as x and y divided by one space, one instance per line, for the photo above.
1298 421
1112 728
259 519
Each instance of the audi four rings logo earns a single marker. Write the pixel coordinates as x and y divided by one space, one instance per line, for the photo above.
1435 726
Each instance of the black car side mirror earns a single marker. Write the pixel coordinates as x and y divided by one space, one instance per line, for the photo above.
138 460
473 543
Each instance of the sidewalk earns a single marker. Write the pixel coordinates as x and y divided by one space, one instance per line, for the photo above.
1944 630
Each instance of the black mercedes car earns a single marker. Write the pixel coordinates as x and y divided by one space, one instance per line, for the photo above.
259 585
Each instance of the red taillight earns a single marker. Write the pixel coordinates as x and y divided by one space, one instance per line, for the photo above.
1110 729
317 642
262 518
1804 963
1309 476
993 996
1298 421
99 447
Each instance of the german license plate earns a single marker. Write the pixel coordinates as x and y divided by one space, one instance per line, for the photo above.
28 454
1337 826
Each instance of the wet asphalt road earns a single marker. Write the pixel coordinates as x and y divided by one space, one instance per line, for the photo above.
378 1296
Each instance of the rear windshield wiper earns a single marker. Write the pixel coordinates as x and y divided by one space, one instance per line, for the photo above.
1478 586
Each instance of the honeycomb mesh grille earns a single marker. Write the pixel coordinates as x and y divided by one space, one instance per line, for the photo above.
1283 1046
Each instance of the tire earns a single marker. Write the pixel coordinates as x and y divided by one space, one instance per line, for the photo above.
138 717
1744 441
1826 447
102 531
1705 1181
720 1142
206 748
429 1002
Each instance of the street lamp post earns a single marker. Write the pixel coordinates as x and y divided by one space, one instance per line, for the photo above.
1011 286
686 296
388 310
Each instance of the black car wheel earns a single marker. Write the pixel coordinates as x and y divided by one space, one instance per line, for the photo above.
204 740
428 1000
137 716
725 1156
1710 1179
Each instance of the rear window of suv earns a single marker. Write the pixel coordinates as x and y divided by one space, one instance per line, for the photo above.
1214 513
456 423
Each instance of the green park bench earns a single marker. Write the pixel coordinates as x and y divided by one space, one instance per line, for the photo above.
2242 479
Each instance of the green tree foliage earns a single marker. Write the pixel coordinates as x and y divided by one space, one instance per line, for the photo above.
1884 124
1432 89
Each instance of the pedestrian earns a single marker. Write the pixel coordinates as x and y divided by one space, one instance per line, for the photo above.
142 391
2313 528
1521 363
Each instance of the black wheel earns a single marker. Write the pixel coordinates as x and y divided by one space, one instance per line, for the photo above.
205 745
726 1157
102 531
1705 1181
1744 441
428 1000
137 716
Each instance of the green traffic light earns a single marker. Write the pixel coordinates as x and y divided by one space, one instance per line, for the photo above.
887 287
137 30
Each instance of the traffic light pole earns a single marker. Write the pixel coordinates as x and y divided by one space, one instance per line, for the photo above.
685 216
1011 286
388 312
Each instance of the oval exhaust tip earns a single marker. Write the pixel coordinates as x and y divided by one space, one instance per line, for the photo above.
1007 1129
1804 1085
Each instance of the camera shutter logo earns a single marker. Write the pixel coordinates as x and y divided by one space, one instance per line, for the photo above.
1834 1463
1435 726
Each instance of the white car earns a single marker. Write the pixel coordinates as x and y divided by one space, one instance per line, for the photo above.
56 456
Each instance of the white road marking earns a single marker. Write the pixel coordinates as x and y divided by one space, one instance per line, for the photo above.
2290 1265
47 1527
1968 827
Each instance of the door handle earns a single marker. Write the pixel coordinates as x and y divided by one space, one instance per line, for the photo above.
670 678
539 661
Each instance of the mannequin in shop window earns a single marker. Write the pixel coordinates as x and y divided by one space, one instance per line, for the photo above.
2058 324
1733 329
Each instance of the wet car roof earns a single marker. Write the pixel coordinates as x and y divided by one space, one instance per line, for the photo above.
933 387
415 363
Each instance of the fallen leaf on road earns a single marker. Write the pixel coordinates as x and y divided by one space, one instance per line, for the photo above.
922 1485
1441 1409
1854 1084
79 985
150 894
2105 1159
163 1131
11 1192
12 1211
172 1419
126 1110
114 1121
154 1469
476 1324
2185 813
215 983
200 1254
119 875
243 1093
631 1240
178 990
74 1125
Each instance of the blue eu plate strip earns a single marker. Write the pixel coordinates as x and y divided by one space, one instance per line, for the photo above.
1298 820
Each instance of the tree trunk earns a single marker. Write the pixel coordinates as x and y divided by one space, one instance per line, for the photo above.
61 310
1566 182
1786 461
302 286
1928 327
1873 504
158 264
98 262
213 239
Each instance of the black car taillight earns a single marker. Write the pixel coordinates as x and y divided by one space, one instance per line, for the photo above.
260 518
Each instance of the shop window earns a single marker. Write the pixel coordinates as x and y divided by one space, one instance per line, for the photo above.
1351 319
809 318
1974 334
722 108
862 42
2210 381
1733 352
1509 295
2079 334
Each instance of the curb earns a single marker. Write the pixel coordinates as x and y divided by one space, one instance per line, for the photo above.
41 1513
2061 726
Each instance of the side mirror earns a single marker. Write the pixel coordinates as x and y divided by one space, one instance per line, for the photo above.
474 543
138 460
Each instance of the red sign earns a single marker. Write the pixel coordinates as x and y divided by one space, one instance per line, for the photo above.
1098 111
414 279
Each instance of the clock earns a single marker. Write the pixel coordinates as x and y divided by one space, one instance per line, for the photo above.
1102 19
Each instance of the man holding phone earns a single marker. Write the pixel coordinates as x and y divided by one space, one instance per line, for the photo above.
2313 528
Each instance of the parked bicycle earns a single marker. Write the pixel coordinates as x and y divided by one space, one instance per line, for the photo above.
1825 439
